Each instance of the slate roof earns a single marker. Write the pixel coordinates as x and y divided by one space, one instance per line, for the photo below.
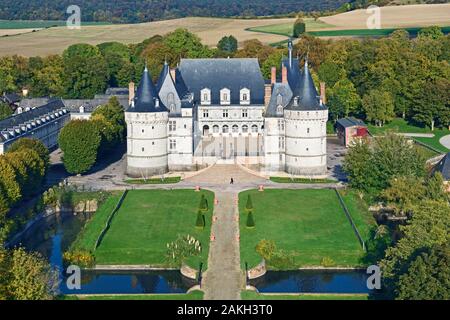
350 122
305 93
33 102
216 74
285 92
11 98
444 167
24 117
147 99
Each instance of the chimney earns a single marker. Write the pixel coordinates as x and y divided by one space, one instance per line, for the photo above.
323 93
24 92
173 73
267 94
273 78
157 103
131 93
284 75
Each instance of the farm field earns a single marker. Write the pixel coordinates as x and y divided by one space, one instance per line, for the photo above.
144 224
310 224
210 30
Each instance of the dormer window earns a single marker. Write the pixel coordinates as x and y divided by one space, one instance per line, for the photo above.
205 96
245 96
280 110
225 96
279 99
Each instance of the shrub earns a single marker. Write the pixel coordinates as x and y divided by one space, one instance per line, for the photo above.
299 28
33 144
327 262
81 258
249 204
266 249
203 204
282 260
250 221
200 220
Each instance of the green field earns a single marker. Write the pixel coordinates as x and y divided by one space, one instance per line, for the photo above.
285 29
310 224
251 295
367 32
144 224
300 180
402 126
39 24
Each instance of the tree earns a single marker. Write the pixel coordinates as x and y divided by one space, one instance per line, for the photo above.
47 80
250 220
33 144
299 28
427 276
9 181
228 44
435 189
273 60
266 249
5 111
186 44
379 107
80 141
433 103
7 79
255 48
427 228
249 204
115 115
404 193
200 223
35 170
343 99
30 277
85 71
330 73
357 165
116 55
433 32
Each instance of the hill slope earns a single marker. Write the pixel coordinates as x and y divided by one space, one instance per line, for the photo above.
131 11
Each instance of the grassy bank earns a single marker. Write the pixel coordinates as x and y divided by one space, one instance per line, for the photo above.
252 295
194 295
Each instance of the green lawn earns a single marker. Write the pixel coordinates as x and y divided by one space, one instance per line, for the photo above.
285 29
88 236
169 180
367 32
309 223
252 295
194 295
300 180
145 223
402 126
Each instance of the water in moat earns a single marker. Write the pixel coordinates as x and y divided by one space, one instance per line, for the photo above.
53 235
312 281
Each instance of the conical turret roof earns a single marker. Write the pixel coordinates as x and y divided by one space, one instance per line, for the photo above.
147 99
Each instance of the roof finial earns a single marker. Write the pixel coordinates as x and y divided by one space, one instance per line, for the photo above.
290 47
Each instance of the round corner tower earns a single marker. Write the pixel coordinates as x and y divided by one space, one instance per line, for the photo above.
147 120
305 123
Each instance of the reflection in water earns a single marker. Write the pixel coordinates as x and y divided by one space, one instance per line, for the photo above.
54 234
312 281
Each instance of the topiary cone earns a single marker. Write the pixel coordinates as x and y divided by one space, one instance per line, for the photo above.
249 204
200 223
250 221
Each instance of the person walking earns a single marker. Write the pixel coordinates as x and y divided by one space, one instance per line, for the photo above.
232 181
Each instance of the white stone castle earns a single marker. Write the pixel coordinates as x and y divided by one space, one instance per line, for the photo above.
221 110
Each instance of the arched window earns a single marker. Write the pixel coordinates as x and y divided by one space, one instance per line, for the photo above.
216 128
225 129
254 128
244 128
205 130
235 129
245 96
171 101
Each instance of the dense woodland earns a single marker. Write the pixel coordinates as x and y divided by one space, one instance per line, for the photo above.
131 11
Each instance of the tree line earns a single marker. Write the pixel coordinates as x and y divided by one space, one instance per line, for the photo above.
128 11
414 254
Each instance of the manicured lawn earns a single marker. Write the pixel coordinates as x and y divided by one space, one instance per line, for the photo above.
169 180
434 142
88 236
309 223
194 295
147 221
300 180
251 295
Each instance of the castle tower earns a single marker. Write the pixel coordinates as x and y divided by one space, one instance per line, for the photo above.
147 119
305 124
